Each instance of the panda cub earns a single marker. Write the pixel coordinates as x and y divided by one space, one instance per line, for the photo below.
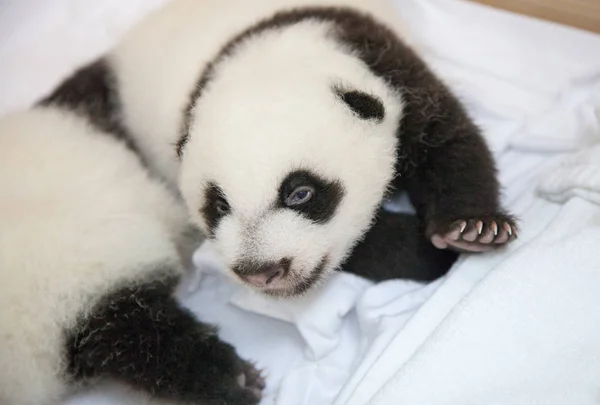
286 123
91 249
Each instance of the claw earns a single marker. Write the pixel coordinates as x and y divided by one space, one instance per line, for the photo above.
241 380
494 227
476 235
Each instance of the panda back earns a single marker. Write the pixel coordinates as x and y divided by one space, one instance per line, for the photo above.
79 218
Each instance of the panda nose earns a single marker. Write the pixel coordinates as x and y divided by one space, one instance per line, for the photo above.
264 274
268 275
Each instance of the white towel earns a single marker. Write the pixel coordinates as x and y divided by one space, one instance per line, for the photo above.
527 334
575 176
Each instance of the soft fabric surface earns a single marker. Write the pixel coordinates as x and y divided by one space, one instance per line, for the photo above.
518 326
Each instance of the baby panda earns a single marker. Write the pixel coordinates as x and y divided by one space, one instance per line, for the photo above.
286 123
91 249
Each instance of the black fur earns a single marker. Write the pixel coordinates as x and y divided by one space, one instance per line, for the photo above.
92 92
141 336
396 247
366 106
321 207
215 207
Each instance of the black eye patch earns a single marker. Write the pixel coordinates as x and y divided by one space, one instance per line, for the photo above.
326 195
215 207
366 106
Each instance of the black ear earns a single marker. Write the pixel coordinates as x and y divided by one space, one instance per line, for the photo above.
366 106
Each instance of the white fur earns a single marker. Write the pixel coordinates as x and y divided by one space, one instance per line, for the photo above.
159 62
269 110
78 217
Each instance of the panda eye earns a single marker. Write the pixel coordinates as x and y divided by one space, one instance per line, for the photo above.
299 196
221 206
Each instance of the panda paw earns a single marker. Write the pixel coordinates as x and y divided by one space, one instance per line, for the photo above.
226 378
251 380
476 235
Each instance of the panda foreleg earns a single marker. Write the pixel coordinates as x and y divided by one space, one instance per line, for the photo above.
141 336
454 187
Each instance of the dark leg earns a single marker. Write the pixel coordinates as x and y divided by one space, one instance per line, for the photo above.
450 175
141 336
396 247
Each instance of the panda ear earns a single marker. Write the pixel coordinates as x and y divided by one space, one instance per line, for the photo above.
366 106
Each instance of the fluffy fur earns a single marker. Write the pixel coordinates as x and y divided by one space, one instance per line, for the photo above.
158 64
241 99
90 250
287 131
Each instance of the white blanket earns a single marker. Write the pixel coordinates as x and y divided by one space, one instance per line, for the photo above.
528 332
515 327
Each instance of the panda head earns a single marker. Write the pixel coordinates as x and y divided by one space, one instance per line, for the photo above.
288 159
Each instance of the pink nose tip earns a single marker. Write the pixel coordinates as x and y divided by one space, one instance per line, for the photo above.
270 275
262 274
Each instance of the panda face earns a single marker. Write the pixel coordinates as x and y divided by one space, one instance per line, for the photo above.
272 251
287 161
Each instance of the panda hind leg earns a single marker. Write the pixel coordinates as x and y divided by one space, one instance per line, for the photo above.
142 337
396 248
